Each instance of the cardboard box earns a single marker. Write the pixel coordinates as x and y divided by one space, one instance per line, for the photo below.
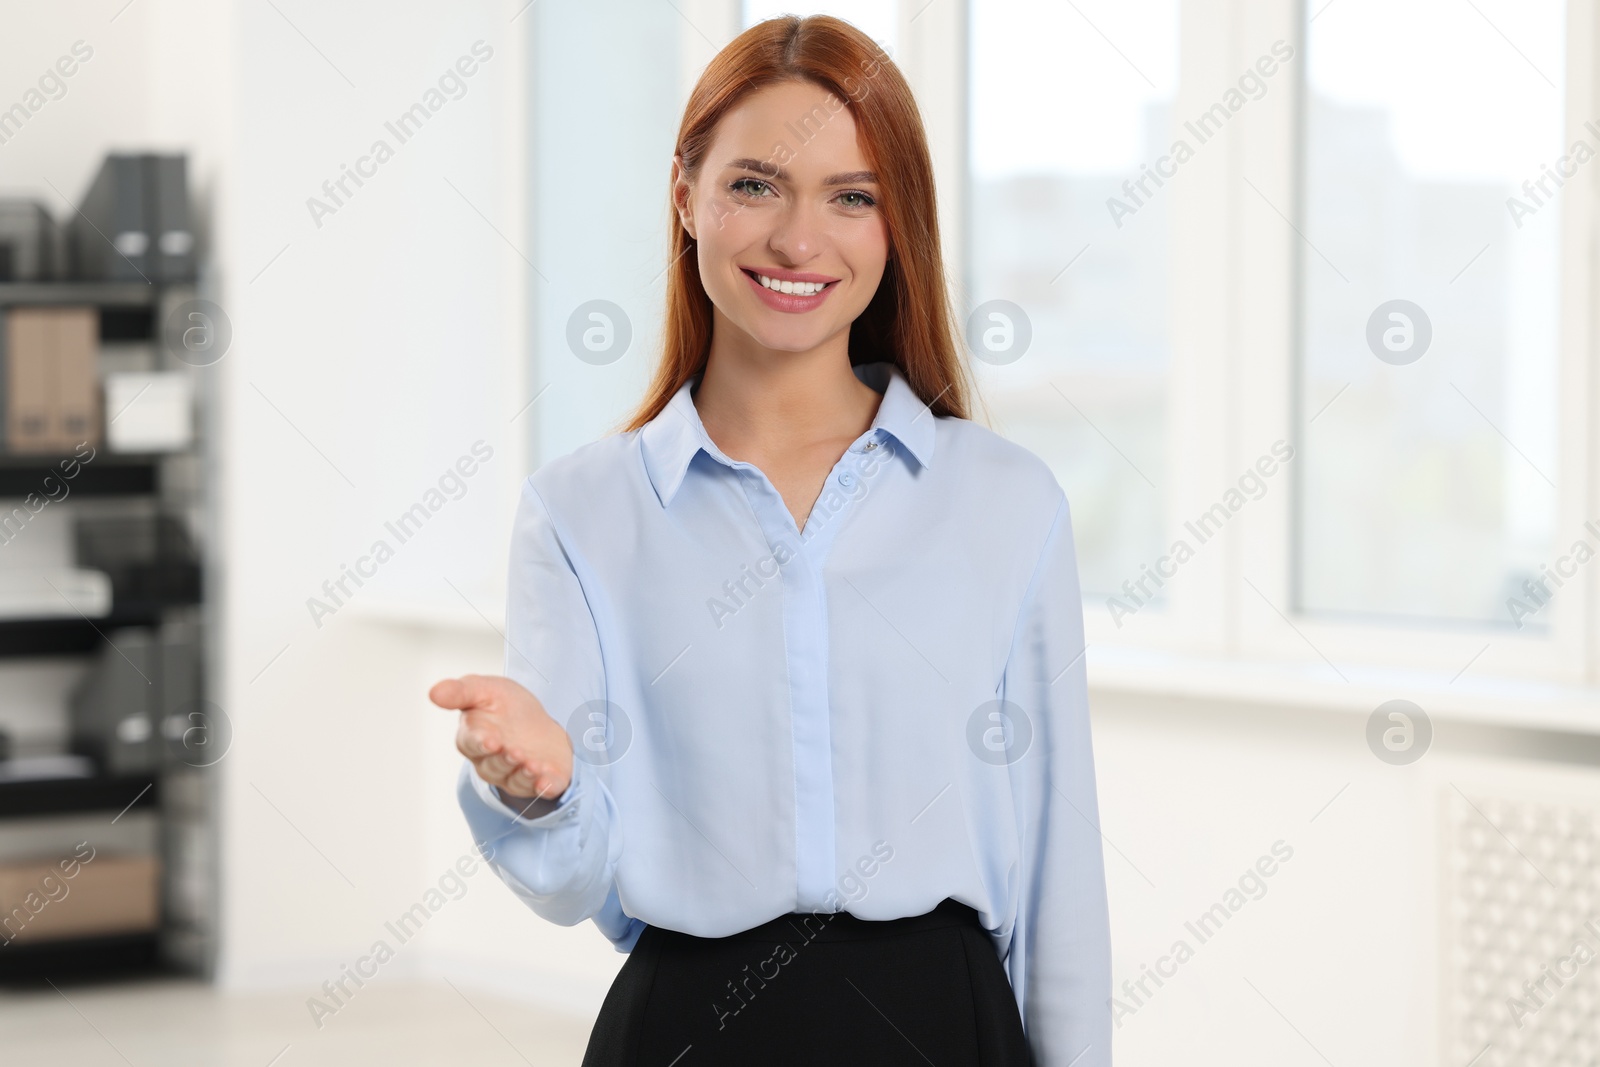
30 386
107 894
77 376
52 390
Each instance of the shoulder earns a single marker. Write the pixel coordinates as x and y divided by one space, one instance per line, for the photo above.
588 475
1002 472
1006 497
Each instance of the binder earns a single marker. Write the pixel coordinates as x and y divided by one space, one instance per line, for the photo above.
110 231
112 708
133 224
150 559
167 201
142 677
27 242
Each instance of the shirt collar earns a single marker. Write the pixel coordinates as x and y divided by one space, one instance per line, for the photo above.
674 437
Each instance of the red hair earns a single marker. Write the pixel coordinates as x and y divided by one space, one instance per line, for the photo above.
909 321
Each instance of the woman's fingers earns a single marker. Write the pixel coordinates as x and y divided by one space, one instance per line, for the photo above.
523 783
517 778
467 692
478 736
447 693
495 769
505 732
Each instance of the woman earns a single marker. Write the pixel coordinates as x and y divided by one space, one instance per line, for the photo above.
796 709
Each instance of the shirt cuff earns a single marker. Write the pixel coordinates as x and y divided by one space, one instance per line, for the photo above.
540 813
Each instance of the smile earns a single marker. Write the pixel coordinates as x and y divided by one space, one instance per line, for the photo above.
781 286
790 294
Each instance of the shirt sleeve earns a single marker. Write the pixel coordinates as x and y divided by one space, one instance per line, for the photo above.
1060 956
558 856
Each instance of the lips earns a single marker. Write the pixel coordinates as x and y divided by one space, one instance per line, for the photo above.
805 292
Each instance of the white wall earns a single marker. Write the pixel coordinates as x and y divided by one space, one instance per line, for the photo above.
369 353
373 351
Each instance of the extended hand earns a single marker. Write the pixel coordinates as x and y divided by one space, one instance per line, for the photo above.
512 742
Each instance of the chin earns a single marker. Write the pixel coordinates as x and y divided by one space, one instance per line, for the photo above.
779 339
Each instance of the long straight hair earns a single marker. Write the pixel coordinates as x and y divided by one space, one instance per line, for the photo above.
909 321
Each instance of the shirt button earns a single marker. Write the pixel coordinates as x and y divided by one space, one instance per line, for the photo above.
871 445
847 479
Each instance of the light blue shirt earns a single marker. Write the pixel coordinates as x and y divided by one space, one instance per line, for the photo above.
874 713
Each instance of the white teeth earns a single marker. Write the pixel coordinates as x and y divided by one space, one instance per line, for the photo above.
797 288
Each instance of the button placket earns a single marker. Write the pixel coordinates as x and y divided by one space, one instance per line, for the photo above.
805 652
805 659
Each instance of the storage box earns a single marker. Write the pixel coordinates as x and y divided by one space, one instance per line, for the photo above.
52 389
52 592
149 411
105 894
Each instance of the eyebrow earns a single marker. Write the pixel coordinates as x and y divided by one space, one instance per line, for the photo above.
768 169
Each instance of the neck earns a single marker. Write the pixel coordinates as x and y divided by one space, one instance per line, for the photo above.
757 401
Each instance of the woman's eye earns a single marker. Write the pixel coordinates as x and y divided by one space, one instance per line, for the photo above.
749 186
856 200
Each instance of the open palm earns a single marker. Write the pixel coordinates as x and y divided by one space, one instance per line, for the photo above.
511 740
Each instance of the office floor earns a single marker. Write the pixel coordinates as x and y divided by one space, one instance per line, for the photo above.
186 1024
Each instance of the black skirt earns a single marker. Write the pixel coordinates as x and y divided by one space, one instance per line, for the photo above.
812 989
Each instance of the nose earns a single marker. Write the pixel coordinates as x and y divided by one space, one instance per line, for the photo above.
797 237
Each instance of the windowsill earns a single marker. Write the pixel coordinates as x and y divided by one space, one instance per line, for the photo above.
1513 703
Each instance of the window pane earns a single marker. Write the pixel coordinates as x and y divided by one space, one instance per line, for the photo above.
1430 282
1089 392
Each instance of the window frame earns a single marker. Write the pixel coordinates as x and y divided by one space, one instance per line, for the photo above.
1273 257
1234 364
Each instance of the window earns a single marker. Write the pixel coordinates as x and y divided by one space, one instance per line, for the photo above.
1068 103
1375 254
1430 308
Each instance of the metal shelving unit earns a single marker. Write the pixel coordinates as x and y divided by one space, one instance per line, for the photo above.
176 794
97 958
32 798
108 475
87 294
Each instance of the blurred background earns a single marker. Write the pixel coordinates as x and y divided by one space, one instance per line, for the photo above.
1296 298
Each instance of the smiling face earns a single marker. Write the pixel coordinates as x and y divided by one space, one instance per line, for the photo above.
785 215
